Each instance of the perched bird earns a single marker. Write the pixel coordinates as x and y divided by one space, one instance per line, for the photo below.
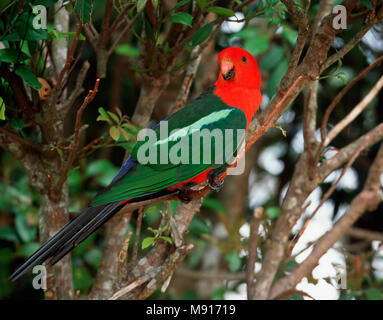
229 104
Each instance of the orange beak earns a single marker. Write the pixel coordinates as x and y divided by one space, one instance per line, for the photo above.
227 69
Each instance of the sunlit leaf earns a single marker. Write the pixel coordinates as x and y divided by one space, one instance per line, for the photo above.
272 212
141 4
147 242
127 50
114 132
168 239
221 11
2 109
182 17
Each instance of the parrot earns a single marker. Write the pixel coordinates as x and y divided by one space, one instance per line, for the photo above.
228 104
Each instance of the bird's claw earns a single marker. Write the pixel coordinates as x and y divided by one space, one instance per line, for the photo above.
214 183
183 196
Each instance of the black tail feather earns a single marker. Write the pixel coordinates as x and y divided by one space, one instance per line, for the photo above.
76 231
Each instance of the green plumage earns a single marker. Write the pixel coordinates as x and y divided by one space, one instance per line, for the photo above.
209 112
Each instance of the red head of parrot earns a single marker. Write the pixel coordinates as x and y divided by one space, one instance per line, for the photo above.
239 80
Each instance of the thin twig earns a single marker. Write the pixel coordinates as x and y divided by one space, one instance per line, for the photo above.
353 42
129 288
367 199
124 31
138 233
123 258
190 73
341 94
354 113
21 140
74 145
68 63
252 251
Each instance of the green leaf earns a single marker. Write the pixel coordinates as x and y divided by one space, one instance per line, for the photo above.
234 260
272 212
103 169
25 232
12 55
5 284
202 4
127 50
257 45
141 4
84 9
114 132
84 246
213 205
182 17
373 294
126 134
168 239
291 264
28 77
367 3
45 3
221 11
82 279
272 58
8 234
23 30
148 28
276 77
199 226
18 124
147 242
218 294
197 254
163 229
247 33
75 181
2 109
290 35
28 249
202 34
180 4
104 114
93 257
114 117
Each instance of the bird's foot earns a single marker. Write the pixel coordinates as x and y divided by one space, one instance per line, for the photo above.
213 181
184 194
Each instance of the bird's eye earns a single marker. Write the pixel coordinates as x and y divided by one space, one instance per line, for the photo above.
244 59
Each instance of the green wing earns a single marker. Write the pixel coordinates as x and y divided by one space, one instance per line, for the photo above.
206 112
